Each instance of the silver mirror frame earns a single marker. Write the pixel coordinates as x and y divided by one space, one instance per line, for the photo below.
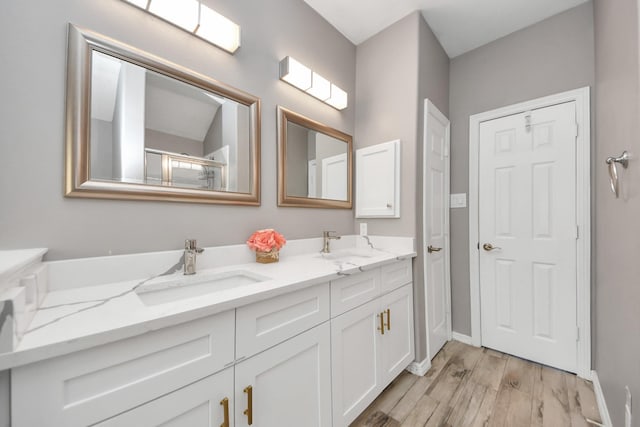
82 43
284 117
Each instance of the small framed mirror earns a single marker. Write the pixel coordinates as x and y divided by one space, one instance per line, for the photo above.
315 165
140 127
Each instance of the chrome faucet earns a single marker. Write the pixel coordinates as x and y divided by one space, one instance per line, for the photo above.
326 238
191 250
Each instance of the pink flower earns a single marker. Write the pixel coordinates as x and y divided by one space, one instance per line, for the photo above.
266 240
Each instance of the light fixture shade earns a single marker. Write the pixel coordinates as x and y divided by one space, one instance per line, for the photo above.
218 29
338 99
294 73
320 87
183 13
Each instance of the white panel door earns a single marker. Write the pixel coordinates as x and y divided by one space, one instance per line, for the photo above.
527 229
287 385
436 229
334 177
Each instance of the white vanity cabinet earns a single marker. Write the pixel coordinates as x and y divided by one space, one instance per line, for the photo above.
372 343
91 386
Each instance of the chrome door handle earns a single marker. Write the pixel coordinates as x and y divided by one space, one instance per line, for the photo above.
489 247
431 249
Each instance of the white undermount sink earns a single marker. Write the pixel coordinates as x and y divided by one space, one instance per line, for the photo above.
348 254
167 289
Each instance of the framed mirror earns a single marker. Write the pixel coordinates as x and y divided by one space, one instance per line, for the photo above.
315 164
140 127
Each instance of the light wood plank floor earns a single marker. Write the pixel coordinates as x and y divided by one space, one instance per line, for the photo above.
470 386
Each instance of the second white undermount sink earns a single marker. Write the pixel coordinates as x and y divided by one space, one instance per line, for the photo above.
167 289
348 254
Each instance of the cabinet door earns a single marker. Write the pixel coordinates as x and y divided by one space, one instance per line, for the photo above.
287 385
355 338
397 347
197 405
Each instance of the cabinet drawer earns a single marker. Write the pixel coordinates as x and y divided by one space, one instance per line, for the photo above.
266 323
92 385
352 291
196 405
397 274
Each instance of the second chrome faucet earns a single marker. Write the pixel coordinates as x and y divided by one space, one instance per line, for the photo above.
326 238
191 250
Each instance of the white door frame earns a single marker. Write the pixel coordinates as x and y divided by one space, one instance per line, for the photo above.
429 107
583 213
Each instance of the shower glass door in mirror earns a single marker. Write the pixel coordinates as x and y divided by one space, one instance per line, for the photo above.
315 163
157 130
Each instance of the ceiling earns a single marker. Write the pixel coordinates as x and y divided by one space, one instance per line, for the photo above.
460 25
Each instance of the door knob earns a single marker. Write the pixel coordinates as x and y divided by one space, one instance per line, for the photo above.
431 249
489 247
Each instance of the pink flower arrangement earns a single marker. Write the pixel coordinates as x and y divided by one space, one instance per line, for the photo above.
266 240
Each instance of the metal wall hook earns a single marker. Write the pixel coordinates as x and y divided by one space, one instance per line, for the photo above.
613 170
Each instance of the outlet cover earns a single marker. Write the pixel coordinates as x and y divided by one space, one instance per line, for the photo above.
363 228
458 200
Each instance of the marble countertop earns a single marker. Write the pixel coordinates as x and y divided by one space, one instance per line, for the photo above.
78 318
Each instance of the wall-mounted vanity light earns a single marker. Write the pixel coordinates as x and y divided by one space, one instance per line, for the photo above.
197 19
300 76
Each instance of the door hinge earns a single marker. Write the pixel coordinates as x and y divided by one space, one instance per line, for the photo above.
575 130
577 232
577 333
478 245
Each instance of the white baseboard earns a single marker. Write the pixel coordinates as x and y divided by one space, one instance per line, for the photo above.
602 405
419 368
465 339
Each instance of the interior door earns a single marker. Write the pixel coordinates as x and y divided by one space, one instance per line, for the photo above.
436 228
334 177
527 229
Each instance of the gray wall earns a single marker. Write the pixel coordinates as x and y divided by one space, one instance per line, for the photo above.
173 143
551 56
5 406
396 69
617 292
34 212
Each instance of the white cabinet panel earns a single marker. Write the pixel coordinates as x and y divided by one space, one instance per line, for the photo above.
397 348
92 385
197 405
352 291
396 274
290 383
378 181
267 323
355 338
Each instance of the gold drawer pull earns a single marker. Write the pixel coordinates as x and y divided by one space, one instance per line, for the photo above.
381 327
249 411
225 405
388 319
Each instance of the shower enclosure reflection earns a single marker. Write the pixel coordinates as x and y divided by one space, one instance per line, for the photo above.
147 128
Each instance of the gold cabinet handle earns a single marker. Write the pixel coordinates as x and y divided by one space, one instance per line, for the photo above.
431 249
388 319
381 327
249 411
225 405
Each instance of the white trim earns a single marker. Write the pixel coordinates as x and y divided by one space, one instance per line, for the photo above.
419 368
465 339
583 212
602 404
430 108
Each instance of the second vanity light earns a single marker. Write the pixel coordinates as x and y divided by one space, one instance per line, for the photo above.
197 19
302 77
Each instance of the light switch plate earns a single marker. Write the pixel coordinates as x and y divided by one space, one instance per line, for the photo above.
458 200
